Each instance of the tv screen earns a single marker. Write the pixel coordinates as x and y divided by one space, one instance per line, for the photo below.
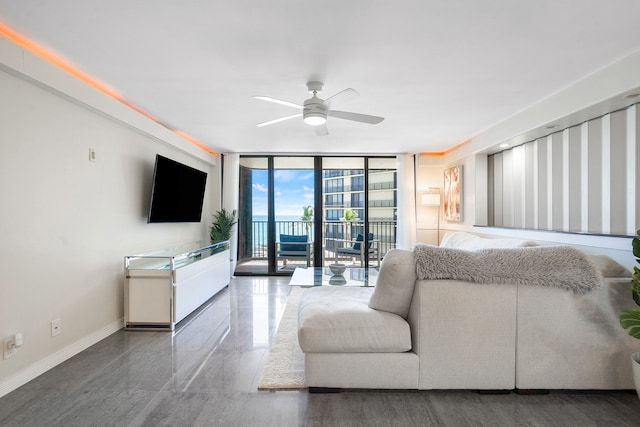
177 193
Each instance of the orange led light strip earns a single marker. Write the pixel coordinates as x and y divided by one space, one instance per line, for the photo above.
442 153
61 63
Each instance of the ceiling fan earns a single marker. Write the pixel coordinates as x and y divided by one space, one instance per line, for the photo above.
316 110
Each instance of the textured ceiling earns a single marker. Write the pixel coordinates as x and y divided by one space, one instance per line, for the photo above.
438 71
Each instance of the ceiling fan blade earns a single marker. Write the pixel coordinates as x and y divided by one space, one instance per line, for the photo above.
342 97
356 117
279 101
281 119
321 130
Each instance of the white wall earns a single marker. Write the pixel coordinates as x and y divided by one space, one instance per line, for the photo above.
429 172
66 223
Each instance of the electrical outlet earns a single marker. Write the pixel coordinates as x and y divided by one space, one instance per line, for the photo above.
56 327
8 349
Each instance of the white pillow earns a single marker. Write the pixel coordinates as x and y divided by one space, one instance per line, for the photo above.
396 280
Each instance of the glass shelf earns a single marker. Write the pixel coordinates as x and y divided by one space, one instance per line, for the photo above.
173 257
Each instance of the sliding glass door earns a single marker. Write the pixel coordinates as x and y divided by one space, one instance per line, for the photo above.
382 201
298 211
360 207
343 207
253 216
293 201
276 202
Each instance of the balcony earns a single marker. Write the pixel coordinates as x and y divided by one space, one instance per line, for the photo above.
253 248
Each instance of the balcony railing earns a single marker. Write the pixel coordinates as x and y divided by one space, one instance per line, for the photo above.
348 204
382 186
384 231
345 188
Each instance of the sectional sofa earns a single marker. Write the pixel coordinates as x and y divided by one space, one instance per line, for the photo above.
416 332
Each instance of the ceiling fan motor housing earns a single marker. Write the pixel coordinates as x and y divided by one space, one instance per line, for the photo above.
314 111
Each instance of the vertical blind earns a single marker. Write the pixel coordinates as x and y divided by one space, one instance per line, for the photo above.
582 179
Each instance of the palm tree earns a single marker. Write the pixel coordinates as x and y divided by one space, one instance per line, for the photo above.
307 217
348 216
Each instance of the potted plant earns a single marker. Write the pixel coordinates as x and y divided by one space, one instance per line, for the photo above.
222 227
630 318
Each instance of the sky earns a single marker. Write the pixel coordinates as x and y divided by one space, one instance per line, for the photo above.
293 191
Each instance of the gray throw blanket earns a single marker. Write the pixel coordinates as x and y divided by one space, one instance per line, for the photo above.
555 266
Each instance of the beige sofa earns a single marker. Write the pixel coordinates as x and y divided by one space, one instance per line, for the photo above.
455 334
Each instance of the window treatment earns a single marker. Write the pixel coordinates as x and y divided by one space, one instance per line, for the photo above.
406 237
230 196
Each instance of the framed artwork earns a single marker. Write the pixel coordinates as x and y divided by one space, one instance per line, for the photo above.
453 193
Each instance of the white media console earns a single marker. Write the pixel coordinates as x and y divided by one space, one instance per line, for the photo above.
164 286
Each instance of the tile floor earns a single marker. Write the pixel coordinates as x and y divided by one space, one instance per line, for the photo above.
206 374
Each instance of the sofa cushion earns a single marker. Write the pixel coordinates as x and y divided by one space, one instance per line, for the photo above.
293 238
396 280
471 242
339 320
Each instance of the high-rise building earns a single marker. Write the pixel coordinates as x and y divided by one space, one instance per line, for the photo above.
345 190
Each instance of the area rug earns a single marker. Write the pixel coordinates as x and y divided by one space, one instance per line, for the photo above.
284 369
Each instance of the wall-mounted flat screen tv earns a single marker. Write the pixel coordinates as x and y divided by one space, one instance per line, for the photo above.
178 192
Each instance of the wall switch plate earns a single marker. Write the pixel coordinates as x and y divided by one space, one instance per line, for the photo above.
8 351
56 327
92 154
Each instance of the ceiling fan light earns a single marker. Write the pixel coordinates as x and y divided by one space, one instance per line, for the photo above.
315 119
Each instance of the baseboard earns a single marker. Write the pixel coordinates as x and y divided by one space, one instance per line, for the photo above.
42 366
324 390
531 392
493 392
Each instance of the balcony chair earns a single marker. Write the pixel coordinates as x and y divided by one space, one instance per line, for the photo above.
294 247
357 249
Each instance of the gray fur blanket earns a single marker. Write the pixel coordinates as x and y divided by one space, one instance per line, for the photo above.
556 266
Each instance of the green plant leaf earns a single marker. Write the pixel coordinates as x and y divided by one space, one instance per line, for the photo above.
635 278
635 332
222 226
630 313
635 243
630 319
629 323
